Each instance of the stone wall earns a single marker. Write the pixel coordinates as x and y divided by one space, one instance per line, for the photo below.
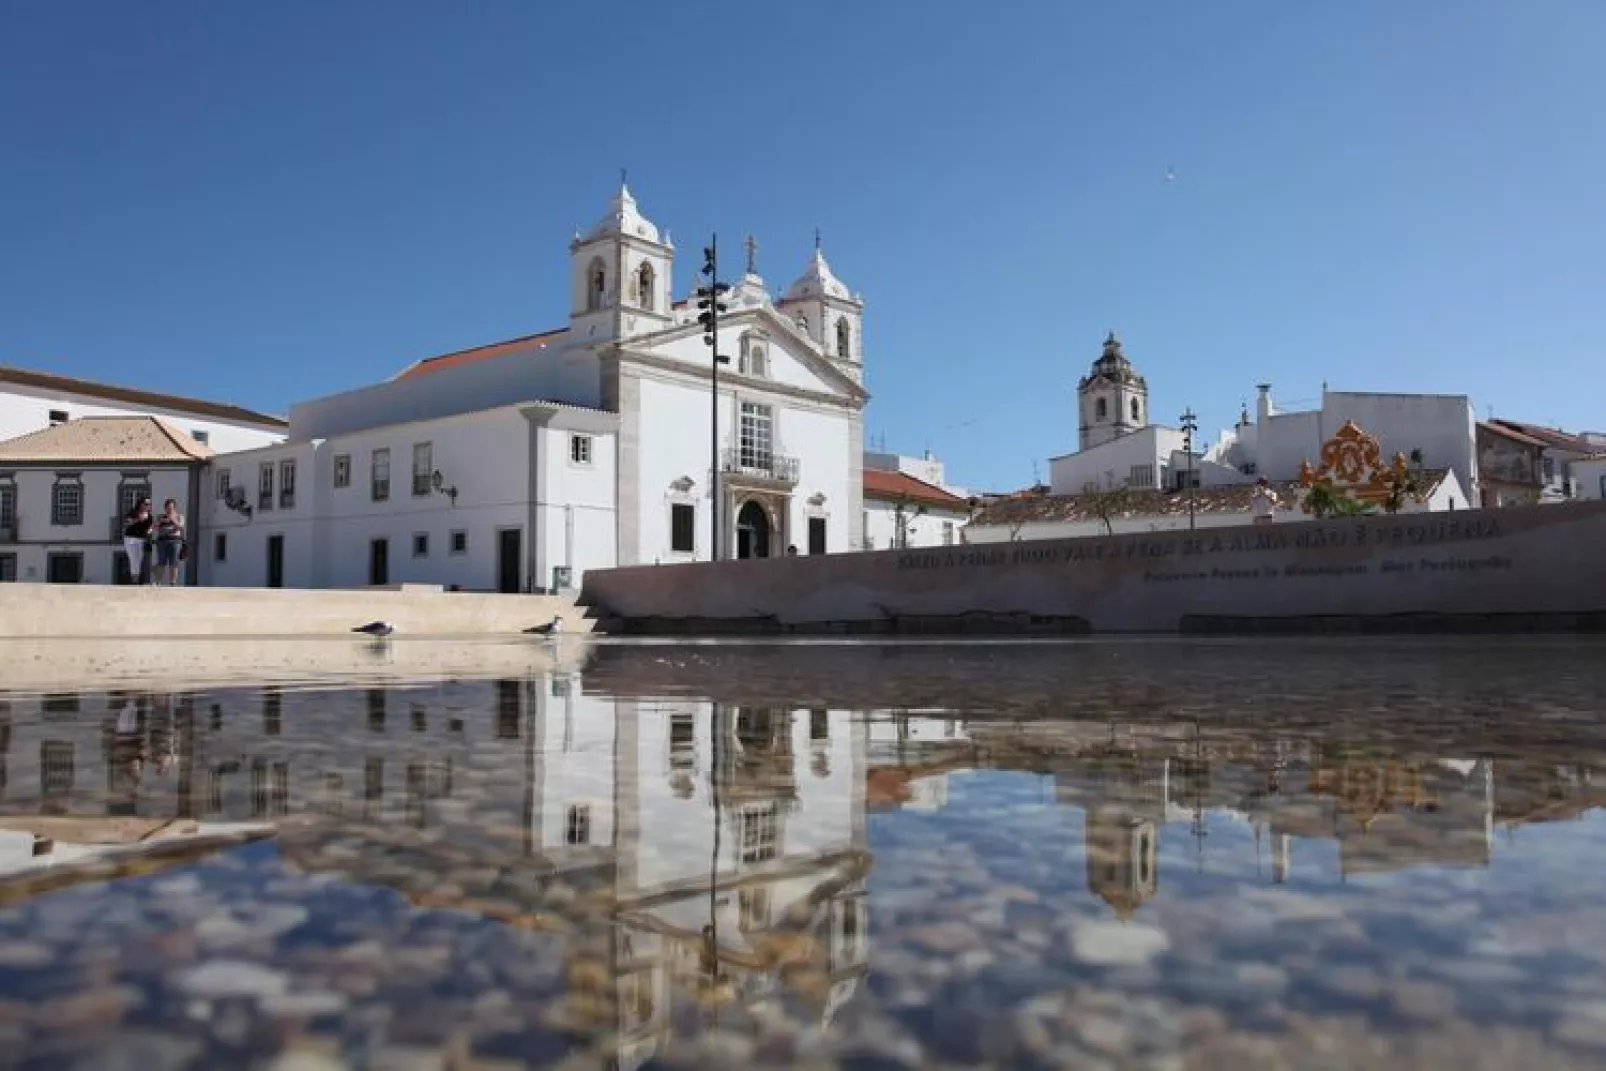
1461 569
94 610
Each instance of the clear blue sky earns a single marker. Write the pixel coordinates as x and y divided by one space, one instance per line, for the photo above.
271 201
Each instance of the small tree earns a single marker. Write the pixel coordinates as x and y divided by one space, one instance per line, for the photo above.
1107 503
1322 501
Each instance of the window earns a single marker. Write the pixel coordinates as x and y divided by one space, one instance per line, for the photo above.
8 568
67 502
379 489
578 827
755 436
947 533
287 485
757 833
596 284
58 416
265 485
682 528
1135 409
560 688
202 437
754 358
133 488
8 505
644 286
1102 409
458 542
1549 465
819 726
580 449
816 535
423 467
1140 476
220 546
342 470
844 339
223 483
420 544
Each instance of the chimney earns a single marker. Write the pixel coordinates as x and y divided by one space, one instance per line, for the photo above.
1263 406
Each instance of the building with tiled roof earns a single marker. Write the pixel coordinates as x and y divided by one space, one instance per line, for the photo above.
64 491
519 464
907 503
1559 452
31 400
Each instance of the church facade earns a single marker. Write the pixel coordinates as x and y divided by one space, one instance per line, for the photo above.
519 465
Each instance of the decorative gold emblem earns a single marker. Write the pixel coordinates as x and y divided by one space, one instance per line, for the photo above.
1352 466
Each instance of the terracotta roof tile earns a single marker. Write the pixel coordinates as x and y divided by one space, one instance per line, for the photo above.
105 440
895 486
23 377
1513 434
1554 437
1045 508
479 353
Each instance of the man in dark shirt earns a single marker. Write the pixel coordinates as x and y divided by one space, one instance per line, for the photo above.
136 536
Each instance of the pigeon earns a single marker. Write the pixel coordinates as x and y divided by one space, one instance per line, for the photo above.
376 628
551 628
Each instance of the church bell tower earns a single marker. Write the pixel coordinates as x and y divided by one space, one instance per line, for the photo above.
1113 398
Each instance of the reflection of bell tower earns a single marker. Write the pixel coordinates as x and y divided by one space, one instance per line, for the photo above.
1122 858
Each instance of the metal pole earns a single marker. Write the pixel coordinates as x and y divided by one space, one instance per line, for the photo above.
713 419
1190 424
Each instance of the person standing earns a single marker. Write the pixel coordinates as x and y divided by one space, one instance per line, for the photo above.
136 534
169 542
1263 502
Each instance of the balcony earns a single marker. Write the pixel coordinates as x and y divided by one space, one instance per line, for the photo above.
771 469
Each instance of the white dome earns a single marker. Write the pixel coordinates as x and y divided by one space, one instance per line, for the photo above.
817 281
624 218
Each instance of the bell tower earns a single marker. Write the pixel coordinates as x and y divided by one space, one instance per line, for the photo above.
831 315
1112 397
620 275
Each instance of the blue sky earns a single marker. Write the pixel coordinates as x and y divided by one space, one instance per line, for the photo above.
266 202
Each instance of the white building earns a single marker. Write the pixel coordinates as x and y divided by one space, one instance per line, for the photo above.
31 401
609 462
64 491
1154 465
1589 476
908 503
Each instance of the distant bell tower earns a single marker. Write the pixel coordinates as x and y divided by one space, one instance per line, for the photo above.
830 314
620 275
1113 398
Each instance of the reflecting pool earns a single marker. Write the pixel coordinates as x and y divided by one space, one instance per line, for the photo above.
1148 853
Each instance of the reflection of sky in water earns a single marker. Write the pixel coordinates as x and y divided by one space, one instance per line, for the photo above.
564 859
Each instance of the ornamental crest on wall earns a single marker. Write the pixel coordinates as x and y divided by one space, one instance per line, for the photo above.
1352 466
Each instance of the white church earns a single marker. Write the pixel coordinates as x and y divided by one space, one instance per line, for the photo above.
519 465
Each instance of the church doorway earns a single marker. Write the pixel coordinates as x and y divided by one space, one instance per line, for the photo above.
752 532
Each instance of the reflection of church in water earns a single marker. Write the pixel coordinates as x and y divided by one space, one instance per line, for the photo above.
720 850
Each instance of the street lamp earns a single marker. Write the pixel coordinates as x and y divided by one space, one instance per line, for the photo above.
709 300
1190 424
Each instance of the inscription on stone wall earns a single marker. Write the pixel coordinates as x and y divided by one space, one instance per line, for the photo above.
1173 558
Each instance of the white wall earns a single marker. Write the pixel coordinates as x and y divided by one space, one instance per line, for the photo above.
26 409
37 539
560 372
1113 462
673 429
486 456
574 507
1589 477
243 539
925 530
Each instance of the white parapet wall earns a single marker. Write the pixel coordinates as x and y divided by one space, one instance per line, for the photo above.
72 611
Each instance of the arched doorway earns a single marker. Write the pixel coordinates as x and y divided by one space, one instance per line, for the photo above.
752 532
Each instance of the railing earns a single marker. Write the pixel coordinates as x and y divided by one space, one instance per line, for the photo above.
766 466
8 530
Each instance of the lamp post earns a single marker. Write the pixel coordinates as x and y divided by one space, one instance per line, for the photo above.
709 301
1190 424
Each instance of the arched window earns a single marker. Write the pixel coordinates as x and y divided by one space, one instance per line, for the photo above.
596 284
753 357
844 339
1102 410
1135 409
644 286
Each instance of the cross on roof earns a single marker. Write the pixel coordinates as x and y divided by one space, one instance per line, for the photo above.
752 255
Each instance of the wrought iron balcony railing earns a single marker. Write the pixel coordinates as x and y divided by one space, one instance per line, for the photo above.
762 464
